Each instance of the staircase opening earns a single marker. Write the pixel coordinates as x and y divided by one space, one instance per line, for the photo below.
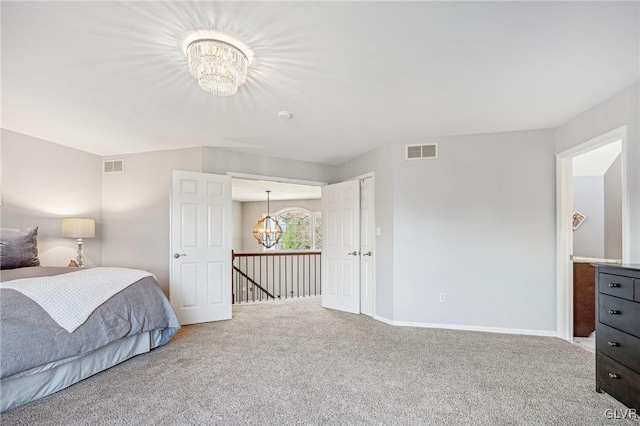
290 269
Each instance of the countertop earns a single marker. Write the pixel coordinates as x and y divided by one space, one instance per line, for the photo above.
579 259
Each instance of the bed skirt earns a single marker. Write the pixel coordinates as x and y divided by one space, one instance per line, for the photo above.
39 382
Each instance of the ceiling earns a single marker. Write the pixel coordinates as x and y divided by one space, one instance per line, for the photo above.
110 77
596 162
255 190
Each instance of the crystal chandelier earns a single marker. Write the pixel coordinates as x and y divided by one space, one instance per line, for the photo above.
219 64
267 231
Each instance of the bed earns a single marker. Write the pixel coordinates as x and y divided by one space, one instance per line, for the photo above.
39 356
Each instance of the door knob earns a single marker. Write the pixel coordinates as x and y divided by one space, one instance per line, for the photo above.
353 253
368 254
177 255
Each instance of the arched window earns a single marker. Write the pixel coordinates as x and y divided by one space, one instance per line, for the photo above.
302 229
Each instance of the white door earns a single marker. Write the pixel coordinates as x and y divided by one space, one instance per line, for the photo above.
367 242
340 246
200 283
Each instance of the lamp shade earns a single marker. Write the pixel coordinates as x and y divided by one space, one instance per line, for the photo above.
78 228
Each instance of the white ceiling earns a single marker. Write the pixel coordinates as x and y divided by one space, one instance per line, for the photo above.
597 161
110 77
255 190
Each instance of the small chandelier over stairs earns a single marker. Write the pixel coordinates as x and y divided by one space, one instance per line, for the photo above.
267 231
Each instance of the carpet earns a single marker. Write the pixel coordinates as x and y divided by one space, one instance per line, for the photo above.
294 362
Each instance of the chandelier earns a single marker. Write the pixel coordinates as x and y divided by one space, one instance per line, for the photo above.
218 62
267 231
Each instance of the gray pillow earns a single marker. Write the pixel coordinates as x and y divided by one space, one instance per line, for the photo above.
18 248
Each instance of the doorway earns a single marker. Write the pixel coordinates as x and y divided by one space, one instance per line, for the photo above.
290 268
567 223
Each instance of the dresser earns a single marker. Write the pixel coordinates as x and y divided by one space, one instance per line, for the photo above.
618 332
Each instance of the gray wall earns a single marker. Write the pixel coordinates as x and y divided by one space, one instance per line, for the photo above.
588 199
43 182
252 212
135 210
478 224
621 109
613 210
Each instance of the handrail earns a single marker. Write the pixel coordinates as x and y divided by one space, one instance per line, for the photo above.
253 282
279 253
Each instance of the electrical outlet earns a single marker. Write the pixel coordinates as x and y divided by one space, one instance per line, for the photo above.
443 297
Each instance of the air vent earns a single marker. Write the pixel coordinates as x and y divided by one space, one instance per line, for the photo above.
422 152
113 166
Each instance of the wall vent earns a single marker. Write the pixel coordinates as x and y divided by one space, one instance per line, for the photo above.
112 166
421 152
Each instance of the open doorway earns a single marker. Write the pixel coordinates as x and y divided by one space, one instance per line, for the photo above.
592 226
291 268
597 230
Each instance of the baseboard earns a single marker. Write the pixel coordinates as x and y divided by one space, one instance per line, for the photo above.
521 331
384 320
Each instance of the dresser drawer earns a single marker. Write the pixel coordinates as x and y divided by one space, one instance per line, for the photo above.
618 345
637 292
619 313
616 285
621 381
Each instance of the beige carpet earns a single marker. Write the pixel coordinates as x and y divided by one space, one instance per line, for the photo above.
293 362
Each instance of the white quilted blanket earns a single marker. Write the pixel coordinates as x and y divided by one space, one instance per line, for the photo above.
70 298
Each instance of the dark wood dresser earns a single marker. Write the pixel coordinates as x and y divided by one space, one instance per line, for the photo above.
618 332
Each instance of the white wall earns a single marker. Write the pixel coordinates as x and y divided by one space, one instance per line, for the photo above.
613 210
221 161
478 224
588 199
135 210
43 182
621 109
236 226
252 212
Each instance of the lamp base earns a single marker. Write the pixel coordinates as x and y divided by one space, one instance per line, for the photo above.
80 257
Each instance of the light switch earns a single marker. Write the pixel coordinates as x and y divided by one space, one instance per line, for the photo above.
378 233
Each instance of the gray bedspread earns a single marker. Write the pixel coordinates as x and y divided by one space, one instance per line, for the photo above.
29 337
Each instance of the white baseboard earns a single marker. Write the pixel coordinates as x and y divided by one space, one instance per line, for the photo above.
521 331
384 320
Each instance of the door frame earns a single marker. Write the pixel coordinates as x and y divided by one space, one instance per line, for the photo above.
249 176
372 175
564 231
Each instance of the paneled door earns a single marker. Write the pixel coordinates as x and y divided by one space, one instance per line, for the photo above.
341 246
200 256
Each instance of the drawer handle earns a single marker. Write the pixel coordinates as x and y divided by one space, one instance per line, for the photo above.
614 375
614 285
614 312
613 343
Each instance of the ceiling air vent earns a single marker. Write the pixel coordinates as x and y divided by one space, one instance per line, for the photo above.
421 152
112 166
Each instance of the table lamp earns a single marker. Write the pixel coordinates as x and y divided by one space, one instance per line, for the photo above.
78 228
